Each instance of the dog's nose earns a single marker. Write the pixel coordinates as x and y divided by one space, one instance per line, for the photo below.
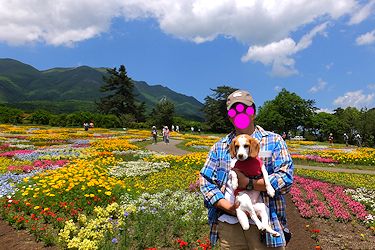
240 156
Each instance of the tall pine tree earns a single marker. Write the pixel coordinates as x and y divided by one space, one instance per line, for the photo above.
120 99
215 109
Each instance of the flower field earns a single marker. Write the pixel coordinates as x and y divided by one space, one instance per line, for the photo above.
312 151
101 190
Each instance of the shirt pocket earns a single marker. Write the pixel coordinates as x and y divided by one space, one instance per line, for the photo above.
266 157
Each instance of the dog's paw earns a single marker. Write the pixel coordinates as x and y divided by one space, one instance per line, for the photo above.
275 234
234 183
260 226
270 191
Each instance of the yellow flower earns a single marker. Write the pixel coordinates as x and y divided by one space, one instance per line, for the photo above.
108 193
36 207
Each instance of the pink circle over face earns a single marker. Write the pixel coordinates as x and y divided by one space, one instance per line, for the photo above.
250 110
240 107
241 121
231 113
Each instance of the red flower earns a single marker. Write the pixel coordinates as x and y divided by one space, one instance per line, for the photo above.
315 231
182 243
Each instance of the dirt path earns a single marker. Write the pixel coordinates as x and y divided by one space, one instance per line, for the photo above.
12 239
169 148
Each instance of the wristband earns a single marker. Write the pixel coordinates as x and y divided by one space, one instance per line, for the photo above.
250 185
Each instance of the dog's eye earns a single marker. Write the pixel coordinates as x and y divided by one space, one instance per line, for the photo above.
237 147
246 146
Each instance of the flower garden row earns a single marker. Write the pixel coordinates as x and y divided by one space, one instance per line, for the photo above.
98 190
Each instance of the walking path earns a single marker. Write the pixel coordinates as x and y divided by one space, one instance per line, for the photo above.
169 148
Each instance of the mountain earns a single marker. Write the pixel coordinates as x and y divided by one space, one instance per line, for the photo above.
61 90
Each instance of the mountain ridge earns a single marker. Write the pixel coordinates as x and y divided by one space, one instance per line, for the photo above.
27 88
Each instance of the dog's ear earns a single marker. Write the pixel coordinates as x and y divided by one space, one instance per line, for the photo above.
254 147
232 148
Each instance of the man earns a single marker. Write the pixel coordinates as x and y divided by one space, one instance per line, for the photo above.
346 139
154 133
214 175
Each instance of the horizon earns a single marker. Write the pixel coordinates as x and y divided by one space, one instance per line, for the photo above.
321 51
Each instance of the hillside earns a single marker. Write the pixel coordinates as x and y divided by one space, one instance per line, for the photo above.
61 90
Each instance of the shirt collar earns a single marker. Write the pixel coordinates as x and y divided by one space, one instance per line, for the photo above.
259 132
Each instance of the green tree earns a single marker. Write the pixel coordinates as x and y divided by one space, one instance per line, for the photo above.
10 115
120 99
287 112
322 124
162 114
215 109
349 122
40 117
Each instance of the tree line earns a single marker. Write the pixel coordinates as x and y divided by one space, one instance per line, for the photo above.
287 112
290 113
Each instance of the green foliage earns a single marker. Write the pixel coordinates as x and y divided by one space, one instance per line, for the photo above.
215 109
119 99
163 113
10 115
40 117
290 112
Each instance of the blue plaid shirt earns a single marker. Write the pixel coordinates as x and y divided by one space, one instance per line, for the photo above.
279 165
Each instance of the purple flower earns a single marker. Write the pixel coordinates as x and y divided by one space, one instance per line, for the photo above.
114 240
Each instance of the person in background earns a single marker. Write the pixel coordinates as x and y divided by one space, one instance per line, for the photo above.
346 139
358 138
154 133
166 134
86 126
91 124
283 136
219 198
330 139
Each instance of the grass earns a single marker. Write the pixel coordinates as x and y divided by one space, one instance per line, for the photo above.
326 165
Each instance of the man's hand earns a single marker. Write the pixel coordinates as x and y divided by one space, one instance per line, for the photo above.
229 208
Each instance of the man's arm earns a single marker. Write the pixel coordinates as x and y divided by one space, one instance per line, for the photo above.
282 177
208 184
208 179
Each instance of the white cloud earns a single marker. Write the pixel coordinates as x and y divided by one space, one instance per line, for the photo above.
329 66
362 13
257 22
279 53
277 88
355 99
371 86
325 110
54 22
318 87
366 38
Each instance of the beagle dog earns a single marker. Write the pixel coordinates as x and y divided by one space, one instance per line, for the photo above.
244 151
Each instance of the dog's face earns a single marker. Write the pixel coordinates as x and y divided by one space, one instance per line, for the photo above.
244 146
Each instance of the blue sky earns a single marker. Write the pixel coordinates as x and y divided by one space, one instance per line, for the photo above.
322 50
